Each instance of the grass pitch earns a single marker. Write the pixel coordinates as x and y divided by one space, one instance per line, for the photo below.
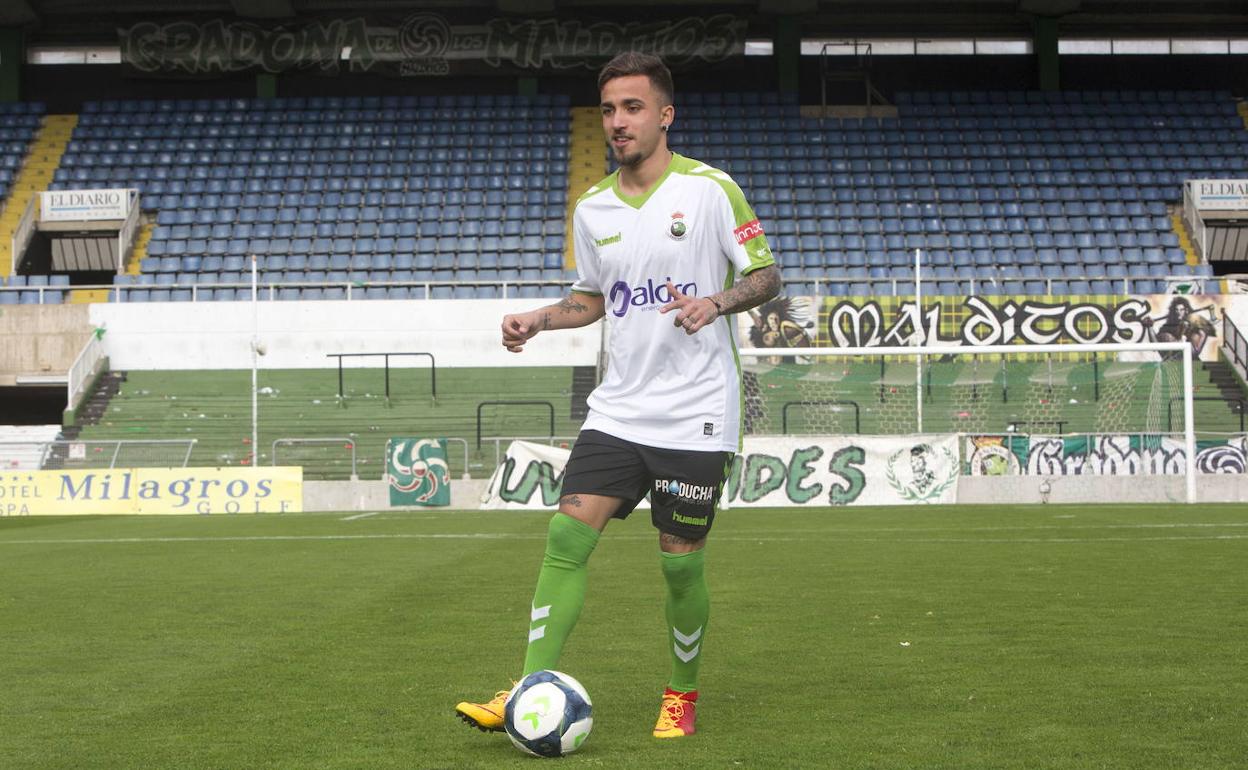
942 637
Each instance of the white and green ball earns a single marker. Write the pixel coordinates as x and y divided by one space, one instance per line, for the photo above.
548 714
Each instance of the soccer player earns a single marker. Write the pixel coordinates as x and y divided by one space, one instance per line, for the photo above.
659 246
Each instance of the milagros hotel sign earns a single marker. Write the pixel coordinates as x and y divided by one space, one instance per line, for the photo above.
85 205
422 44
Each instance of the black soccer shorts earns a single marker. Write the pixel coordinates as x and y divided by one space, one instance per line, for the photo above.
684 485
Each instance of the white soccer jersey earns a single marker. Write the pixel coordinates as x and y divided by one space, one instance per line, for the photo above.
665 388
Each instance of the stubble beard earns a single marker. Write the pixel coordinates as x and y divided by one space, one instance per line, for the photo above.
628 160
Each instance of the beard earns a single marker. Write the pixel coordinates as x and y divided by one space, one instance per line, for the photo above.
631 158
628 159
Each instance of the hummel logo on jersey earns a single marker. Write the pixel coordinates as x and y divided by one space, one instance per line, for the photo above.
610 239
748 231
623 296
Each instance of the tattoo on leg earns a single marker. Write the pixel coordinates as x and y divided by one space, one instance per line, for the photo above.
669 539
570 500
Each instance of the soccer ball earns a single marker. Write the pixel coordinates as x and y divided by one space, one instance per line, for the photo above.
548 714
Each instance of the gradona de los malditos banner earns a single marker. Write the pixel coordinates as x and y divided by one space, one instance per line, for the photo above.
773 472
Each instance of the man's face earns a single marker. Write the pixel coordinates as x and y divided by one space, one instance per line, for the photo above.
918 463
631 118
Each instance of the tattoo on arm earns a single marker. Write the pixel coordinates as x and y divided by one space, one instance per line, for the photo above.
752 291
569 304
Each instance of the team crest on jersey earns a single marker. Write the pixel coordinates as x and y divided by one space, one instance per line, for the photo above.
678 229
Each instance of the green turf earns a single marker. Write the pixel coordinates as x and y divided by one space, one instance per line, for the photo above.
948 637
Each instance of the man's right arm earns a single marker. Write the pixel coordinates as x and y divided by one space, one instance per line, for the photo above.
571 312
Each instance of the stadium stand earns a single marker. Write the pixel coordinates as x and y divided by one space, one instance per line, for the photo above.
34 289
419 197
19 121
334 192
1016 192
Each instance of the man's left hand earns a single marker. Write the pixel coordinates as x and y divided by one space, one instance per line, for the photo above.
693 313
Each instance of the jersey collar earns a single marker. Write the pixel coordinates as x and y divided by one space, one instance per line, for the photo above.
637 201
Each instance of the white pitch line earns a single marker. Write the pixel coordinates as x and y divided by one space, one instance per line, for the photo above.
360 516
1023 527
515 536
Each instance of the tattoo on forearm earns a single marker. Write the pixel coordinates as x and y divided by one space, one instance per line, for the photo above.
570 500
752 291
569 305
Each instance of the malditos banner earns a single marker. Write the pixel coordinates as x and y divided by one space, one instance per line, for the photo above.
152 491
774 472
975 320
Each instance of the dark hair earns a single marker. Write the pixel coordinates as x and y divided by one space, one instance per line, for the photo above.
637 63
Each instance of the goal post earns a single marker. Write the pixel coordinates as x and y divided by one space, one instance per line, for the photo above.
1052 390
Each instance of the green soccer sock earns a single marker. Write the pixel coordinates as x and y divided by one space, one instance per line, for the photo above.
688 612
560 590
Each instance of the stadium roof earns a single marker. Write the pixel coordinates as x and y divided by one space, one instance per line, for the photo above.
88 20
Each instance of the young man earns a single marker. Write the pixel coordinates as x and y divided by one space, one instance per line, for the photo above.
658 246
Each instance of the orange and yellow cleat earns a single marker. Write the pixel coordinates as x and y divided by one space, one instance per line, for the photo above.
487 716
677 714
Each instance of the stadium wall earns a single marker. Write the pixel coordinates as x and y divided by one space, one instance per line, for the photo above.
365 496
299 335
1237 311
41 340
374 495
994 490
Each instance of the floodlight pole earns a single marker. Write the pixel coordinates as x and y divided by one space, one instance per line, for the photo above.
255 353
918 339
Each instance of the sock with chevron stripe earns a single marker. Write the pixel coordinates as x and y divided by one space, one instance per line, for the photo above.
560 592
688 612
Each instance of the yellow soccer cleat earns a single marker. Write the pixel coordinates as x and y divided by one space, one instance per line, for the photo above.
677 714
487 717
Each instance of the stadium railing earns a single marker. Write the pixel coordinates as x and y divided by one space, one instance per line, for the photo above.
96 453
323 441
84 371
364 290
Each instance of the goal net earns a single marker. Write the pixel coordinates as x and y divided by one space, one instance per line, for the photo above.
1108 409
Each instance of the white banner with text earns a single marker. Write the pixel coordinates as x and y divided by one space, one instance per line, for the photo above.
85 205
773 472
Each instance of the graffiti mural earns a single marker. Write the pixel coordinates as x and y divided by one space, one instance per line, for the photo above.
1121 455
